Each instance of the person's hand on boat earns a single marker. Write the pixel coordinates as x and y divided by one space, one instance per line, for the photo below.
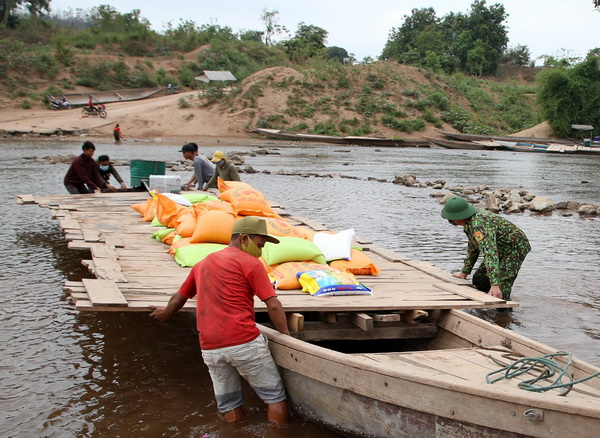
495 291
460 275
123 186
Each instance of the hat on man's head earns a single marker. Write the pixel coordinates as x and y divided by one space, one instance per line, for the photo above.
188 147
218 156
253 225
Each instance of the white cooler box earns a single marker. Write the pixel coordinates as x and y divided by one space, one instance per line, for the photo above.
165 183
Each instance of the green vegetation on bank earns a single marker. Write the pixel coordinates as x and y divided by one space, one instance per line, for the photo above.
463 85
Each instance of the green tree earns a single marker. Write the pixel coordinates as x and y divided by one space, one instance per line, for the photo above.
338 53
272 27
308 42
403 42
518 55
571 95
482 27
34 7
472 42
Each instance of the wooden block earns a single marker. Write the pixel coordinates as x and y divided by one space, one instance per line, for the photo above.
414 316
295 321
389 317
362 321
104 293
329 317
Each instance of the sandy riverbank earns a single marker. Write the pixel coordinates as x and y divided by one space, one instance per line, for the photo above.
156 119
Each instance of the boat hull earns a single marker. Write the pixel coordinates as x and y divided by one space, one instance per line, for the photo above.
356 415
386 395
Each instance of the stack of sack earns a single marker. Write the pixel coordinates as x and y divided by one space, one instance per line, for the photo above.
196 225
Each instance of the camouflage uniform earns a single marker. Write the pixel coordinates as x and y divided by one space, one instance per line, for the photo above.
503 246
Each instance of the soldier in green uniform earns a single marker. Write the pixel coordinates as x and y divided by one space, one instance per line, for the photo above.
502 244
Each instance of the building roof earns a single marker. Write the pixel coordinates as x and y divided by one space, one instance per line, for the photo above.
208 76
582 127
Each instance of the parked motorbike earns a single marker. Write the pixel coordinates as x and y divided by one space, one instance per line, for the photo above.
98 110
56 105
172 89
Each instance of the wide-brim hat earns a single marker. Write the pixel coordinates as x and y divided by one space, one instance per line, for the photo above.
458 208
253 225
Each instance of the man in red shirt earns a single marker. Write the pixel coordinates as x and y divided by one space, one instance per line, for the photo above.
224 284
83 175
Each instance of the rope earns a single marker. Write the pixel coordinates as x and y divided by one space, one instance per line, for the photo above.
547 368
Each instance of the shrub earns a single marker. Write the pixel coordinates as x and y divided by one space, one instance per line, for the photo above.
25 104
183 103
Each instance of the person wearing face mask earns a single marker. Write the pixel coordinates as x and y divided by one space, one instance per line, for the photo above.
224 169
224 284
106 169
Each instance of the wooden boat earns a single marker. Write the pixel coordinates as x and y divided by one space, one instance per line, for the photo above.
278 134
550 148
472 145
404 362
78 99
472 137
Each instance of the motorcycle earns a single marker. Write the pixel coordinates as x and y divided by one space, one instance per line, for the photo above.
56 105
172 89
98 110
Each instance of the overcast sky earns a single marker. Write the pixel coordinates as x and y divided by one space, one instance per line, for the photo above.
547 27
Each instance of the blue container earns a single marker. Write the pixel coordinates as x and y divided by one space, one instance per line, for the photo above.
141 171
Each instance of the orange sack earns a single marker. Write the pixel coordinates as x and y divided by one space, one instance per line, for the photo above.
284 275
248 202
150 211
359 264
213 227
167 209
226 185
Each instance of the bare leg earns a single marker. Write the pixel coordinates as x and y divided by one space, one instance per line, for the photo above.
235 415
277 413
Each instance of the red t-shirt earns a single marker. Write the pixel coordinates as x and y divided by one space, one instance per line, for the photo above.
224 284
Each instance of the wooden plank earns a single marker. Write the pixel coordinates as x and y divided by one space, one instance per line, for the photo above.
414 316
317 226
91 235
388 317
295 321
470 293
434 271
25 199
104 293
103 251
68 224
362 321
328 317
387 254
114 241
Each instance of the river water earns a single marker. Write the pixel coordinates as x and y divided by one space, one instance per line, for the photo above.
64 373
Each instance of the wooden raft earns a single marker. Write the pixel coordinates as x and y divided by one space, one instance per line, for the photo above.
134 271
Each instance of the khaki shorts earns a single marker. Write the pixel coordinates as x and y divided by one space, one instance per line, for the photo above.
252 361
